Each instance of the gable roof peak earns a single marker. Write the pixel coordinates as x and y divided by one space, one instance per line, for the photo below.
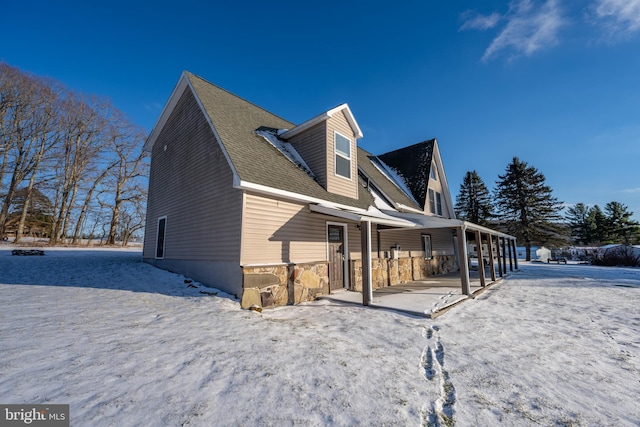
322 117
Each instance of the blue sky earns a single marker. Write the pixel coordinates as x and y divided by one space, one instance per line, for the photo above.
554 82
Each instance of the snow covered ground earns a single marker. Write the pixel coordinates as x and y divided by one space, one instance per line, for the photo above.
127 344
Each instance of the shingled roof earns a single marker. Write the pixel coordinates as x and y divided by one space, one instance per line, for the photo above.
381 181
413 163
253 158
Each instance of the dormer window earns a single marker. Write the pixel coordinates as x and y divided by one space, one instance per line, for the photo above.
342 155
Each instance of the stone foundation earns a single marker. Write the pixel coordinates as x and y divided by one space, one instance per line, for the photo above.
389 272
288 284
276 285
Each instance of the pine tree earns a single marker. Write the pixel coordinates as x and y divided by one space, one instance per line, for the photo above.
578 218
526 206
620 228
473 203
597 225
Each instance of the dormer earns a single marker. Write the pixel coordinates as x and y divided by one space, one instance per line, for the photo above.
327 143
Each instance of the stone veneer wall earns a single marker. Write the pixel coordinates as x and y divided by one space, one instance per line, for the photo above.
275 285
389 272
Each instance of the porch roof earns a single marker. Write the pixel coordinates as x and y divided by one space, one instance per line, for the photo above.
428 221
400 219
372 215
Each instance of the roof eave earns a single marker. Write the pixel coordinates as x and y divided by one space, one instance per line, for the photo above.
183 82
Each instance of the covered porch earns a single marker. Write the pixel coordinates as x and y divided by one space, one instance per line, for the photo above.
429 298
492 252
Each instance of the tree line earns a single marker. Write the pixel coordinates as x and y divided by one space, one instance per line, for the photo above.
71 165
523 205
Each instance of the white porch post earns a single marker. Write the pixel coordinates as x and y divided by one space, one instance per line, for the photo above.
504 255
492 267
499 253
480 258
365 245
464 264
510 256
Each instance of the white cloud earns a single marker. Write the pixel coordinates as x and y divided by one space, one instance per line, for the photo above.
632 190
618 15
481 22
530 27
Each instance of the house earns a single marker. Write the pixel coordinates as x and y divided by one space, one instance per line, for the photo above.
538 253
278 213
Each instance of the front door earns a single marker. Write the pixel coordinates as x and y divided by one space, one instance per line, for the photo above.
335 241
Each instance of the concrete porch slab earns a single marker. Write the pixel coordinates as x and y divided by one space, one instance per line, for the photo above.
425 298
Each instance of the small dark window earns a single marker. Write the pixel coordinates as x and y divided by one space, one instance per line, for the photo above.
426 244
432 201
162 225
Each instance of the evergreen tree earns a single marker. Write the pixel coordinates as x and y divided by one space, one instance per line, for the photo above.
473 203
526 206
620 228
578 218
597 225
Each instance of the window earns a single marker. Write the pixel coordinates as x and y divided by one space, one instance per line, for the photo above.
432 201
162 226
435 202
343 155
426 244
432 172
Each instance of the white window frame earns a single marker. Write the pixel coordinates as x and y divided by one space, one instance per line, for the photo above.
336 153
439 203
432 201
433 172
426 244
164 236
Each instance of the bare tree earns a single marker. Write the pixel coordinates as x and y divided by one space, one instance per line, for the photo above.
81 143
126 187
46 135
79 151
28 131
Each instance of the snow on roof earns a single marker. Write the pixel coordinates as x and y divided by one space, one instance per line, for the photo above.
379 201
393 176
286 149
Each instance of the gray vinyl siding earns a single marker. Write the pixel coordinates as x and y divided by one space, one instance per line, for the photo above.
410 241
337 184
191 184
312 146
355 246
278 231
441 241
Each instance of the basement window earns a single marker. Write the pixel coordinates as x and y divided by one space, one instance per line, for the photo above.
342 155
